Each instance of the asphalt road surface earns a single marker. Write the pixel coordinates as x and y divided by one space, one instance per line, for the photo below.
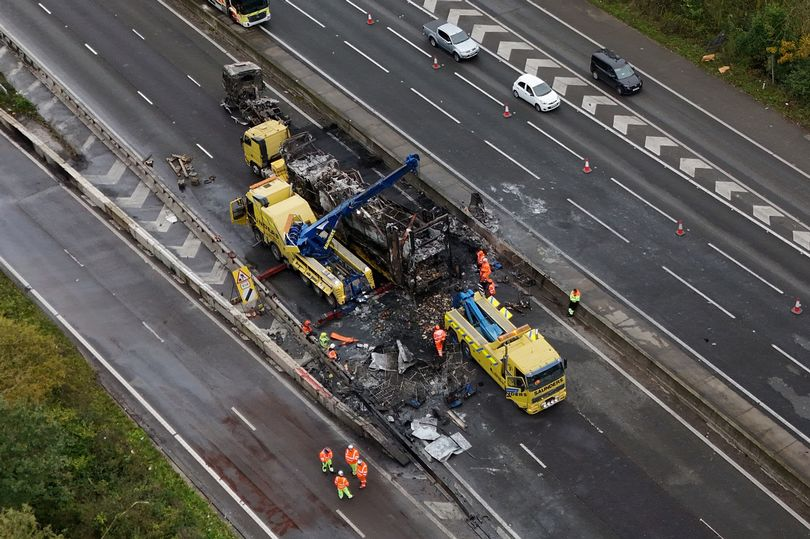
216 403
664 478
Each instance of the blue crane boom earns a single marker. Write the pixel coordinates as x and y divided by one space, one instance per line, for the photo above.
480 321
309 240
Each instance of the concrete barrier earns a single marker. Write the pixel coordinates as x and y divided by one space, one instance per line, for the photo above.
783 456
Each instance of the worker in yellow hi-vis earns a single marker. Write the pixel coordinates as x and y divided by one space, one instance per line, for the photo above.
573 301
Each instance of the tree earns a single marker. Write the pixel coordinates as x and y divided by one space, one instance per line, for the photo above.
23 524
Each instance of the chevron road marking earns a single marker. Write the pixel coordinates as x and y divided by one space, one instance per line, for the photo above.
136 199
505 48
161 223
31 87
533 64
480 30
802 237
689 165
622 123
654 144
590 102
46 106
190 247
726 189
455 14
561 84
430 5
88 142
217 274
112 177
764 213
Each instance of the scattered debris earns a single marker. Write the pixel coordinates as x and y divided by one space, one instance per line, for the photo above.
723 69
425 428
243 83
383 362
708 57
405 358
183 169
443 447
343 339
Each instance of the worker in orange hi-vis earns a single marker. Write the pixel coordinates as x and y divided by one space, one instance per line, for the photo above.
306 328
362 472
352 456
439 335
489 289
484 271
479 257
342 485
326 459
332 353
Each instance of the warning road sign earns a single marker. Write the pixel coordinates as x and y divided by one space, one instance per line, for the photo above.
244 282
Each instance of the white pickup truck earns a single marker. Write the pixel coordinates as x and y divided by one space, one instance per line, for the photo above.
450 38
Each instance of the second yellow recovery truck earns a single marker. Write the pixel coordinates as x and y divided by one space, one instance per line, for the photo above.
519 359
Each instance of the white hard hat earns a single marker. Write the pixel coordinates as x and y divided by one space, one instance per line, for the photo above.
332 345
351 446
340 472
359 461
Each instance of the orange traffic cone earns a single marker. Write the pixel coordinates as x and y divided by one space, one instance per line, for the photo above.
680 231
506 113
435 63
797 307
587 168
369 21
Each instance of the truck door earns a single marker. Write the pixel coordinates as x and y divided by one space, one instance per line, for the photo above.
444 40
516 389
238 212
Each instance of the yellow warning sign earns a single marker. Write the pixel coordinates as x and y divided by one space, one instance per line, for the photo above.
244 282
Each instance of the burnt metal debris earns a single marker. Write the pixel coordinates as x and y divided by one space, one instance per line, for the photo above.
244 84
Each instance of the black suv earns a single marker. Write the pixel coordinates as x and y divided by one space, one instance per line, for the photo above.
613 69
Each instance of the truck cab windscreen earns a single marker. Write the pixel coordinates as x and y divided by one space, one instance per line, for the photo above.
249 6
543 377
459 37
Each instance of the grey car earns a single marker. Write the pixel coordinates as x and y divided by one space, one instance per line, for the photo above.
451 38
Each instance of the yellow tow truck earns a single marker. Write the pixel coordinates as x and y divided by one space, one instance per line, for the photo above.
519 359
284 221
262 144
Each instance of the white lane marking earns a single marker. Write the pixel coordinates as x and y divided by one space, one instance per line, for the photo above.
152 331
313 19
409 42
793 359
715 531
743 267
482 501
729 205
350 523
243 418
533 232
90 49
366 56
595 218
74 258
478 88
355 6
698 292
532 455
46 10
192 80
684 98
145 98
563 146
670 411
529 172
437 107
650 204
137 34
205 151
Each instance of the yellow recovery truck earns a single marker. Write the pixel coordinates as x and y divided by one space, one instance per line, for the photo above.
519 359
261 145
284 221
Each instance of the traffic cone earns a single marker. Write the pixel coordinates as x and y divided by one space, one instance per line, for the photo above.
680 231
587 168
506 113
797 307
435 63
369 21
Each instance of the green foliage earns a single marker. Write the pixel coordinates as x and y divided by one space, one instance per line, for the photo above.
15 103
23 524
69 451
798 79
767 28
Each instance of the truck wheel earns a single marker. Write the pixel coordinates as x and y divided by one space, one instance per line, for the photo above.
456 57
275 252
330 299
465 351
432 42
257 171
258 236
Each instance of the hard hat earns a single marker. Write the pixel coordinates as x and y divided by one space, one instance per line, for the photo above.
340 473
332 345
326 449
307 322
351 446
359 461
437 327
485 260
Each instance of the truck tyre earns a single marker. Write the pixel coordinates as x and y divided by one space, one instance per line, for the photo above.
275 252
465 351
257 171
258 236
432 42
